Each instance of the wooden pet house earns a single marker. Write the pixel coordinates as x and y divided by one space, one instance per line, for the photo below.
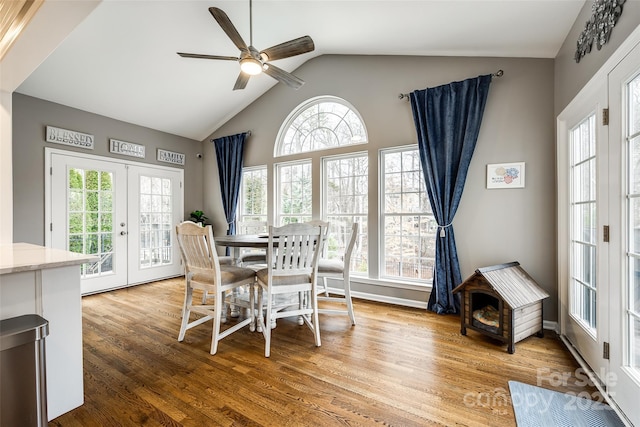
502 302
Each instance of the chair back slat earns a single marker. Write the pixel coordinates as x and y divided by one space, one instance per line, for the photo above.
197 248
296 249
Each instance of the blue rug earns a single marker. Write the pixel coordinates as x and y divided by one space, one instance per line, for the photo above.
536 407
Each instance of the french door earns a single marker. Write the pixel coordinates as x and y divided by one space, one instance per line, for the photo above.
599 228
123 213
583 216
624 95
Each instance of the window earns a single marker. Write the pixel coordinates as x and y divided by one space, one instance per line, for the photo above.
408 226
253 195
319 124
345 201
294 192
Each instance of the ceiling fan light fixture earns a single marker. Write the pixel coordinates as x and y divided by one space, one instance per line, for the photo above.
250 66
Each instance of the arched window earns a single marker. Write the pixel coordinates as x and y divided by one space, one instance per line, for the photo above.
318 124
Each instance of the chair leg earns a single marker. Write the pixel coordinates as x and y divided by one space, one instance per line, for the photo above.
267 327
347 296
252 307
326 288
186 312
215 333
316 323
301 303
259 312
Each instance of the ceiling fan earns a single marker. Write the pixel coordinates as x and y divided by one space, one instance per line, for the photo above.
252 61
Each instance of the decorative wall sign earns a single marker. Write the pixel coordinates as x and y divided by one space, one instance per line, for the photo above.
505 175
126 148
69 137
170 157
604 16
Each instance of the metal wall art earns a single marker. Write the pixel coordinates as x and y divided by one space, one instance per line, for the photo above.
604 16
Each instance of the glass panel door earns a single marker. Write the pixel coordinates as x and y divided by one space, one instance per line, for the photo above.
155 208
583 212
88 214
124 214
624 90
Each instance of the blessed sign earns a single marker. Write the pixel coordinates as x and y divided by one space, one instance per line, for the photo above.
69 137
170 157
126 148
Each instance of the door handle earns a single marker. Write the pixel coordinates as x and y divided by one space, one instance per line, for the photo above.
123 233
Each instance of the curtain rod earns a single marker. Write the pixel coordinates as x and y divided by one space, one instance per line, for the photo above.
247 132
498 73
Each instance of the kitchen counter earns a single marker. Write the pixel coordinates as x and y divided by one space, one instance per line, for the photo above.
45 281
19 257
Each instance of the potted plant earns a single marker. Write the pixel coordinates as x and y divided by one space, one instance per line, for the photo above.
198 217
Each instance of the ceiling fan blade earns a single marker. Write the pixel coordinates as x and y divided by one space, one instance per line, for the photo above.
283 76
197 55
241 82
288 49
228 28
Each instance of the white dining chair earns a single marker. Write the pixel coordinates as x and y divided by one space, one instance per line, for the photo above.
252 256
203 272
287 287
338 269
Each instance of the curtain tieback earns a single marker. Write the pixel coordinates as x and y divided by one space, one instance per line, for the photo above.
442 227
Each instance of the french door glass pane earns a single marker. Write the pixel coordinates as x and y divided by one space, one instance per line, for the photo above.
583 289
633 212
156 239
635 342
90 218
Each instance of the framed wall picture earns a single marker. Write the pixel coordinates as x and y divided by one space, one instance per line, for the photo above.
505 175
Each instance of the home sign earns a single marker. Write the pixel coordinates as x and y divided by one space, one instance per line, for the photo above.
126 148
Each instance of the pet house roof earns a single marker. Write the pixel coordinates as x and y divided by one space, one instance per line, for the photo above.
510 281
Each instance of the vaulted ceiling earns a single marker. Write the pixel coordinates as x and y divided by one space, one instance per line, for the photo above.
121 61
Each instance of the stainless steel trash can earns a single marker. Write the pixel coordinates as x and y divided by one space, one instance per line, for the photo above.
23 389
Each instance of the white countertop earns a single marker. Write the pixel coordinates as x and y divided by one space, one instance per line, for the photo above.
17 257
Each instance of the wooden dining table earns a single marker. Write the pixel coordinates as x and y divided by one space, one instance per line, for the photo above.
238 241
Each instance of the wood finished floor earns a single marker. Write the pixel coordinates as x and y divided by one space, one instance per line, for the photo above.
398 366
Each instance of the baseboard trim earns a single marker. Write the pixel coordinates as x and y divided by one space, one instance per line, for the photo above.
382 298
551 325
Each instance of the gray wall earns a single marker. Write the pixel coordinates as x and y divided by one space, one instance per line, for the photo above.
30 118
492 226
571 76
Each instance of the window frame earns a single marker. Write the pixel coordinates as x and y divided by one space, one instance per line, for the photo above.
240 216
299 110
324 199
382 218
278 189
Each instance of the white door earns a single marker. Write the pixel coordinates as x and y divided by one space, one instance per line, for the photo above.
155 207
88 215
583 215
123 213
624 95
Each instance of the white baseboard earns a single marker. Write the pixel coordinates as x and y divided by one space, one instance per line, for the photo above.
551 325
382 298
